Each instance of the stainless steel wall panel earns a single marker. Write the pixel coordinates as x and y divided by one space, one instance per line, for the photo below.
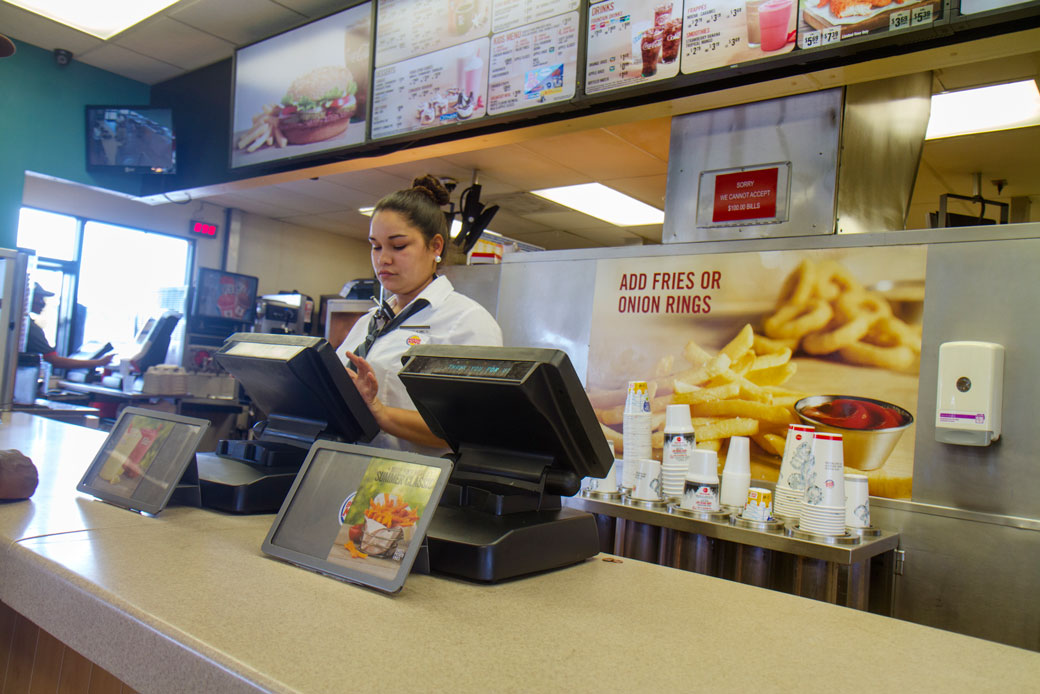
882 136
548 304
983 291
803 130
967 576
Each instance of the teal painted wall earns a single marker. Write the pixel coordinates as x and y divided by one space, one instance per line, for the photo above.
42 124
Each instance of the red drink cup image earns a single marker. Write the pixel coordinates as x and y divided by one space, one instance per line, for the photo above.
662 14
774 17
227 298
671 40
650 47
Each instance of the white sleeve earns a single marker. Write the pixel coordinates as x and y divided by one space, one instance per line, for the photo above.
477 327
355 337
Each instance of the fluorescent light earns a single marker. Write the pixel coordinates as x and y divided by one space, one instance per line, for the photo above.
456 225
101 18
986 109
604 203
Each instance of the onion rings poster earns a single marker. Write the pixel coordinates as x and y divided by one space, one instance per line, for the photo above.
742 337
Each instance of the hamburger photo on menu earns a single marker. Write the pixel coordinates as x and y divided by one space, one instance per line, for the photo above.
317 106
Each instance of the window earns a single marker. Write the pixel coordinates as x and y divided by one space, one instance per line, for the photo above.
108 280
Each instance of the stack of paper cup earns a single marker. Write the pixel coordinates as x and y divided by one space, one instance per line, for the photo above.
678 449
759 505
857 501
607 485
636 430
823 509
701 488
736 476
790 485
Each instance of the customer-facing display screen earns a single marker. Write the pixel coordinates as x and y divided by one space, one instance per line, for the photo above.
359 513
143 459
304 91
447 62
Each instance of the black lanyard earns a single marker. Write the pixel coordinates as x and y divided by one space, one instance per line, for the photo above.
384 321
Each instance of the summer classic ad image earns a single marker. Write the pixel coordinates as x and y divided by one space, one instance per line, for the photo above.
378 520
753 342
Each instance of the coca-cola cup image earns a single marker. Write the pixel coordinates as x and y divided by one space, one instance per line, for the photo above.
650 47
670 41
662 14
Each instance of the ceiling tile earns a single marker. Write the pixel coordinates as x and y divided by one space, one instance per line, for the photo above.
612 236
648 189
557 240
128 63
237 21
568 220
523 168
253 204
374 182
651 136
325 189
598 154
313 8
175 43
30 27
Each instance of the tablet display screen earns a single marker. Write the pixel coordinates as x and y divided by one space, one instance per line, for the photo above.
359 513
143 459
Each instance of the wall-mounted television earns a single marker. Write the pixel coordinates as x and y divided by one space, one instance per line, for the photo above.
131 139
304 91
222 302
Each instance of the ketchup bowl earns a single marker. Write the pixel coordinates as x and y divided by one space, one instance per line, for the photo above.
870 428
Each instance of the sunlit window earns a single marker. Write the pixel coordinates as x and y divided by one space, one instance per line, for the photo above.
50 234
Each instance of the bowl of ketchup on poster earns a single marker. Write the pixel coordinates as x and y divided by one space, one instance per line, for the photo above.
870 428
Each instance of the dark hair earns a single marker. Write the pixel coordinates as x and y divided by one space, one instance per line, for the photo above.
420 205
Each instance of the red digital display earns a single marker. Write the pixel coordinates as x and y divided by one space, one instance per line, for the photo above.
203 228
745 195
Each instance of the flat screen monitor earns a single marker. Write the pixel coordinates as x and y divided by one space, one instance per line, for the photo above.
298 381
223 301
143 459
358 513
514 400
154 339
131 139
304 91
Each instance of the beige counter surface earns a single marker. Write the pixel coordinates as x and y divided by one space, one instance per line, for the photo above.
187 602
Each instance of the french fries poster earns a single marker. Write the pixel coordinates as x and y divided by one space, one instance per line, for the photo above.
741 338
378 519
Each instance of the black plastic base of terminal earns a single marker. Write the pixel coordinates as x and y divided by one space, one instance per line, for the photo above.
237 487
489 548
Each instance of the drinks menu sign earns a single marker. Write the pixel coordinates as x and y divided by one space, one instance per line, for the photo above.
632 42
825 22
435 59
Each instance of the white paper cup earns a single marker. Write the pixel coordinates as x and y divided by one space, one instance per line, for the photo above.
825 485
646 484
637 399
857 501
734 487
798 455
636 433
738 456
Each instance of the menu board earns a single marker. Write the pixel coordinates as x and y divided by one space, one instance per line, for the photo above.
632 42
825 22
727 32
534 64
636 41
304 91
976 6
443 62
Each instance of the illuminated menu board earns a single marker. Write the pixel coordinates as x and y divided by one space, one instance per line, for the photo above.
637 41
303 92
976 6
828 22
724 32
444 62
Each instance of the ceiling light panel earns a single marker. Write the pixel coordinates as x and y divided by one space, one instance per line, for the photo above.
101 18
986 109
604 203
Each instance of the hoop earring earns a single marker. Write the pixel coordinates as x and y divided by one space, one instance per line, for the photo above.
437 259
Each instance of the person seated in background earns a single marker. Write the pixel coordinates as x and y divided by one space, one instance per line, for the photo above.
37 341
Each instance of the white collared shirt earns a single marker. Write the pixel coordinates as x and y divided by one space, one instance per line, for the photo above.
450 319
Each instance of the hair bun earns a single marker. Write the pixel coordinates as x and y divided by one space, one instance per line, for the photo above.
432 188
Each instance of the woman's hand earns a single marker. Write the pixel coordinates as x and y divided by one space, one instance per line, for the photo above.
365 381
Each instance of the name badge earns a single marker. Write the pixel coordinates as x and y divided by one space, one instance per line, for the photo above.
416 334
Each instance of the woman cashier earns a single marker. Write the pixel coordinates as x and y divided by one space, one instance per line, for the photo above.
408 236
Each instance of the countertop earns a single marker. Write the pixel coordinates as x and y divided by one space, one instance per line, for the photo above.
185 601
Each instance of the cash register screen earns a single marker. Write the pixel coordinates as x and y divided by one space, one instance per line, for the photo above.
358 513
143 459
